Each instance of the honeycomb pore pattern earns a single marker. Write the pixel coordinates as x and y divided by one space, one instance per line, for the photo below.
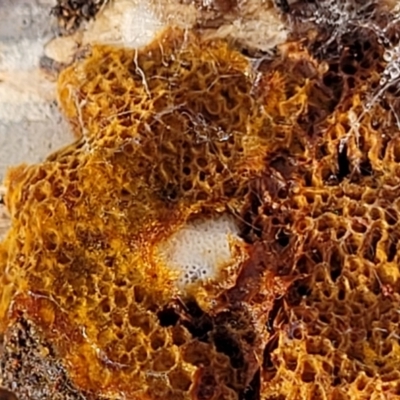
300 148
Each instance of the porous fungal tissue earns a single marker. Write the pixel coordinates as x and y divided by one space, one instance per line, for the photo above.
200 249
225 225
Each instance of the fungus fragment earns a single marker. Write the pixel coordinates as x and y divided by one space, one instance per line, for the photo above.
279 179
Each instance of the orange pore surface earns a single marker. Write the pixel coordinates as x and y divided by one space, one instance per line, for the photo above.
187 129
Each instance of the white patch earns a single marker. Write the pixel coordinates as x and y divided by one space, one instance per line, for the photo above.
258 25
200 249
263 32
25 95
128 23
21 55
139 26
29 120
63 48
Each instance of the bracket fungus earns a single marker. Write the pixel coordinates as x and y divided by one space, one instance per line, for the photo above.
223 227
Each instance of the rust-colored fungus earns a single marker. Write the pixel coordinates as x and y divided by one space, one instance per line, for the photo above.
292 160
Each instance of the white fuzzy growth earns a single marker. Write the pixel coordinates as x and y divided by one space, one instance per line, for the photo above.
200 249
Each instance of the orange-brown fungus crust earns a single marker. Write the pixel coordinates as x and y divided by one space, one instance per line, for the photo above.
303 148
166 133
